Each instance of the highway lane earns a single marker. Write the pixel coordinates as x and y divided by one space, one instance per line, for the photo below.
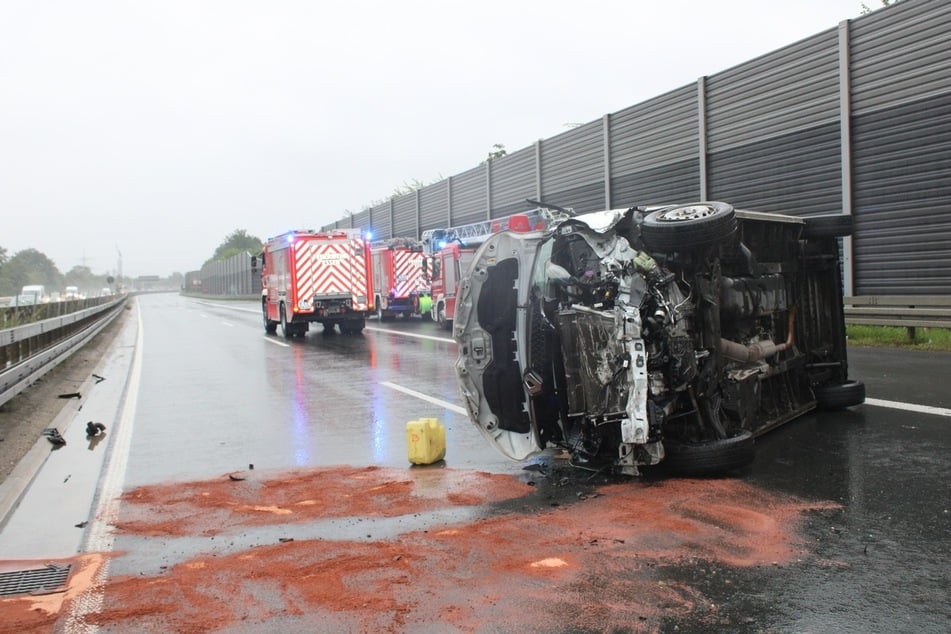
214 394
218 394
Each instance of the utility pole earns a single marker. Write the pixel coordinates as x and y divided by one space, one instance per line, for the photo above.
119 267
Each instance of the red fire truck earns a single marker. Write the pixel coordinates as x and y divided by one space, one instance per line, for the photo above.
401 288
450 251
316 276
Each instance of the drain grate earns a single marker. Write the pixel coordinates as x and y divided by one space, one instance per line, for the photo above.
33 581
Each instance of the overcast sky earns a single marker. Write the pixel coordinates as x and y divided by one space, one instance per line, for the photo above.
155 129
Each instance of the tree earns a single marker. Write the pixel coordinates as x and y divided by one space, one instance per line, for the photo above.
238 241
497 152
83 277
29 266
885 3
407 188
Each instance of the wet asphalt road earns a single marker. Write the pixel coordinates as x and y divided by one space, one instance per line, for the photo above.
216 395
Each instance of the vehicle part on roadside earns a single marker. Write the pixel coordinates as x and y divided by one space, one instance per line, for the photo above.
52 434
632 337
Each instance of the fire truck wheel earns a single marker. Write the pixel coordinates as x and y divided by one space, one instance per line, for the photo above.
354 327
286 329
270 327
444 323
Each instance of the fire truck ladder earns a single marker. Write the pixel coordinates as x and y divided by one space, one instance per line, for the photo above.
476 232
398 243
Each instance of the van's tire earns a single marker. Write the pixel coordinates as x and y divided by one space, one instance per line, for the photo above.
688 226
840 396
713 457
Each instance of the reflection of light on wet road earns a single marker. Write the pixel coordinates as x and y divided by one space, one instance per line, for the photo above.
378 430
425 397
300 427
410 334
377 412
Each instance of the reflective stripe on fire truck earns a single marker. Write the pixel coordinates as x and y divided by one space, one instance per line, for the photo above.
328 268
407 273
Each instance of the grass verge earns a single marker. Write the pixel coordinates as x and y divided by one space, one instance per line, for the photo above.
895 337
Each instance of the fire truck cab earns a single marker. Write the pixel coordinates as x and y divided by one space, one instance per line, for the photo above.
444 268
309 276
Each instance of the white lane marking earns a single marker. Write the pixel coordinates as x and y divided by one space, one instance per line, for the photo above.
410 334
227 324
101 537
229 307
238 308
425 397
276 342
909 407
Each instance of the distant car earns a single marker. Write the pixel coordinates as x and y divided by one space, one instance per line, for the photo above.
37 292
71 292
635 337
106 292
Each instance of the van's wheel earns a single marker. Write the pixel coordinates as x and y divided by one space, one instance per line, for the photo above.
688 226
286 329
713 457
841 395
270 327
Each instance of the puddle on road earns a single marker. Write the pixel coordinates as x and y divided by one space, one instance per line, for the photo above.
590 560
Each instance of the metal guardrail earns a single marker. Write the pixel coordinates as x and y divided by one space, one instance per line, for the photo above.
29 351
908 311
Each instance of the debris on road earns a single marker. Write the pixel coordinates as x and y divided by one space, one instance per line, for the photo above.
52 434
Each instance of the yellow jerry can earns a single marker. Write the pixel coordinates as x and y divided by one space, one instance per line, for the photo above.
425 440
